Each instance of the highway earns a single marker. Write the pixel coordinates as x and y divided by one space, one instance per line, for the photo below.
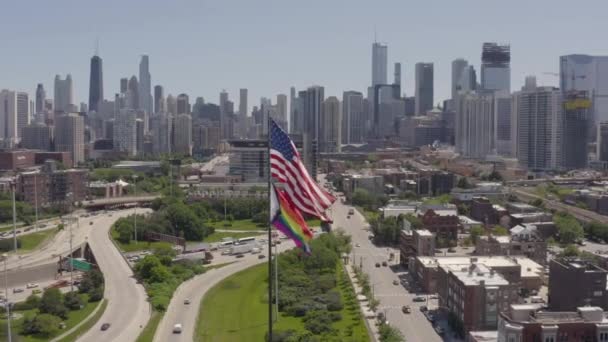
414 326
128 310
195 289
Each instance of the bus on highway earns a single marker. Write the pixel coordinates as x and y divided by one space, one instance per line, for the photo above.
226 244
246 240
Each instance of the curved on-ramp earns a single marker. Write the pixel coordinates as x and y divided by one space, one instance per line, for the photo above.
128 310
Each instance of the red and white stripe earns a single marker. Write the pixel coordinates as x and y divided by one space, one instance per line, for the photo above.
299 186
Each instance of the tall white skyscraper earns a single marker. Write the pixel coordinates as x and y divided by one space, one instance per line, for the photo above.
496 67
64 95
145 85
171 104
69 135
379 63
224 125
125 132
474 131
458 67
8 115
161 128
23 112
539 128
353 122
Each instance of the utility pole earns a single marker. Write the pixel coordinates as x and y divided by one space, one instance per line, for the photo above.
135 209
71 250
8 308
14 186
36 202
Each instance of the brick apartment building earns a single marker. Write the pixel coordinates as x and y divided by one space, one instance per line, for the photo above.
444 226
475 293
52 186
527 323
574 283
532 247
484 211
414 243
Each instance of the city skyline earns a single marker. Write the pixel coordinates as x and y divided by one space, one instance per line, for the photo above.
341 64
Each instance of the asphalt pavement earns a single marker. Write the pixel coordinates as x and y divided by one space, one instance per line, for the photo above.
128 310
414 326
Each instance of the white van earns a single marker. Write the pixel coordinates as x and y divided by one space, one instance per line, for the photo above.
177 329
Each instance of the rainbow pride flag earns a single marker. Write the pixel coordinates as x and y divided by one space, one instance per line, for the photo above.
286 218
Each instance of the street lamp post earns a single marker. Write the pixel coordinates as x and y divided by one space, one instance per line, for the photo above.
135 209
8 308
70 223
14 187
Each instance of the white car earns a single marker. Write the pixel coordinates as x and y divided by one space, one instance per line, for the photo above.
358 245
31 285
177 328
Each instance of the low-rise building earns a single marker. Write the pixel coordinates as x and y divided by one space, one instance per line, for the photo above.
528 323
16 160
370 183
529 246
574 283
445 225
486 189
51 186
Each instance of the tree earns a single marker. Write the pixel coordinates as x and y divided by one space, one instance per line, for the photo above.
414 220
569 229
500 230
44 325
475 232
143 269
495 176
96 294
390 334
464 183
165 253
570 251
72 301
362 197
52 303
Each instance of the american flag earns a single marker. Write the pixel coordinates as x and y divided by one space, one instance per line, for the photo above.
287 168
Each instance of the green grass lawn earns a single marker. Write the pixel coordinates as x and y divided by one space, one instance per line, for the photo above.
147 335
236 310
32 241
236 225
74 317
218 236
88 325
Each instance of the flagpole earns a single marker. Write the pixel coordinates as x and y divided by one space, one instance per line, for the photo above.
269 237
276 283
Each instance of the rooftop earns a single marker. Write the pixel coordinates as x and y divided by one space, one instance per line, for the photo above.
484 336
475 274
528 267
424 232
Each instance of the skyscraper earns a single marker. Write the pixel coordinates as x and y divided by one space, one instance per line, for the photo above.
8 115
183 104
282 108
161 131
23 112
575 124
145 85
475 137
589 74
379 63
69 135
182 134
40 98
224 115
496 67
95 84
313 107
243 102
133 93
539 128
424 88
331 125
125 132
37 137
64 95
292 108
458 67
353 126
171 104
397 74
124 85
159 99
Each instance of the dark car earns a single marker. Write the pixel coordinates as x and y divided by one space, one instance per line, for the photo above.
261 256
240 255
423 308
406 309
384 263
377 264
105 326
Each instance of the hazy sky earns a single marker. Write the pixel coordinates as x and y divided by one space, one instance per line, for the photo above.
200 47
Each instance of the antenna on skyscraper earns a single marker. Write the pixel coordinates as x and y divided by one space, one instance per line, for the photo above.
375 38
97 46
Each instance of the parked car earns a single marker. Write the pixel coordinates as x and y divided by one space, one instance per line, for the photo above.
17 290
384 263
419 299
423 308
406 309
395 282
105 326
240 256
31 285
377 264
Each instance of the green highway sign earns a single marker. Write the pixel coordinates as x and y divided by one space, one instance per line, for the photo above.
81 265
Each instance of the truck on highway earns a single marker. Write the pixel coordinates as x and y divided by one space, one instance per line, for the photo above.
351 211
242 249
255 250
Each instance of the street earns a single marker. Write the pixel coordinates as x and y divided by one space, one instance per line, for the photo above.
414 326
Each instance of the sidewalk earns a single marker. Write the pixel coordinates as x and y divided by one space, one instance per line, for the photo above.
370 323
